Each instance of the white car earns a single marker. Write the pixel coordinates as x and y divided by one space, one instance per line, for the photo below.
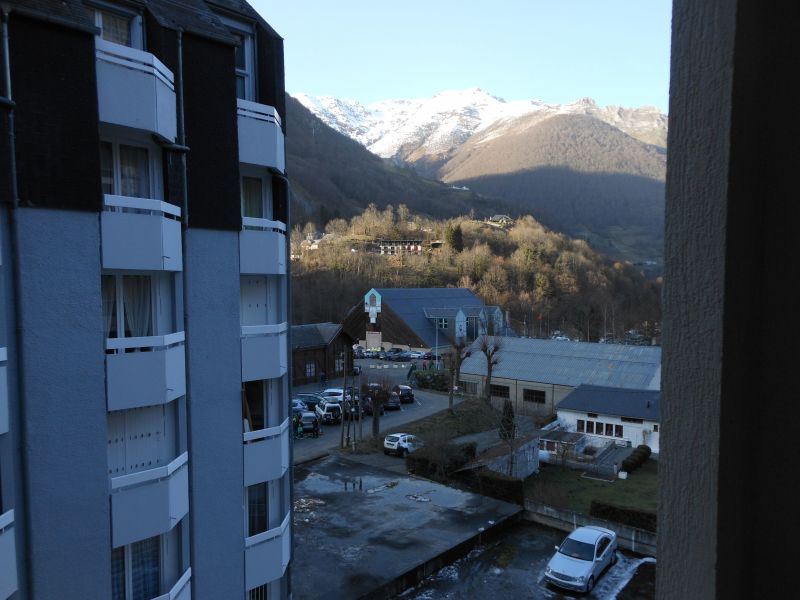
401 444
581 558
332 394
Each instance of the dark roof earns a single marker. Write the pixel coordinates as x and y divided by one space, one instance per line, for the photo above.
394 328
618 402
314 335
71 13
193 16
410 304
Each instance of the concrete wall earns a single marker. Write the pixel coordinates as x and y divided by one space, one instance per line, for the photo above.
66 493
216 468
554 393
635 433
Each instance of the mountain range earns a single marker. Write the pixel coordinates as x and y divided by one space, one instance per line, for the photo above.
588 171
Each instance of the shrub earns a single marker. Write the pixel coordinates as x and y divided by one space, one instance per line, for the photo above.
646 449
502 487
438 380
439 461
633 517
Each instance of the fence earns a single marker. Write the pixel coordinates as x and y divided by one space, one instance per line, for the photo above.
631 538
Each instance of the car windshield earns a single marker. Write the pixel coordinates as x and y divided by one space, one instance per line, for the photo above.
576 549
392 438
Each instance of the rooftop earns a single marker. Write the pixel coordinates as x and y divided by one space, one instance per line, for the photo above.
314 335
639 404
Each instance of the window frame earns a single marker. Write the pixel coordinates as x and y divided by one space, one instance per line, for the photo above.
135 27
267 195
154 168
128 566
247 32
160 285
538 396
493 387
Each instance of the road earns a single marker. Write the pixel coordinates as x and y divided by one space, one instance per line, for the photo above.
426 403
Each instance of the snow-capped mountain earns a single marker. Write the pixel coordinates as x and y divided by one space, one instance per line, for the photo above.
428 130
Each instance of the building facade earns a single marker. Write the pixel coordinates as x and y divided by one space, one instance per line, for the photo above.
144 447
320 351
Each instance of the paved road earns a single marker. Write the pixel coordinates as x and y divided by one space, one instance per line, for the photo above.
426 403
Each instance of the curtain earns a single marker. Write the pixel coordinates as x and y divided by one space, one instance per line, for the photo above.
106 168
146 569
116 28
256 509
134 172
118 573
138 305
252 198
109 289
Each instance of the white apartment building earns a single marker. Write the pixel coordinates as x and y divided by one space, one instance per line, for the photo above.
144 390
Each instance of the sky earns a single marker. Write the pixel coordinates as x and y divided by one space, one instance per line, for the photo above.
557 51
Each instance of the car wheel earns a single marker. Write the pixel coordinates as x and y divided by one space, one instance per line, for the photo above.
386 452
404 453
590 584
614 558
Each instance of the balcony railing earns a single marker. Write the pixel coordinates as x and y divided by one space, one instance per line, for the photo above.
266 454
260 135
141 234
262 247
264 351
135 89
145 371
182 590
3 392
8 555
149 503
267 554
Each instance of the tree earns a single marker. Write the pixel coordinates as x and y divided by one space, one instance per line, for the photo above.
508 432
489 346
454 237
458 349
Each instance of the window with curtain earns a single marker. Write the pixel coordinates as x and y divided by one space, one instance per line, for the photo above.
252 198
256 509
244 66
118 573
254 404
138 305
145 569
134 172
115 28
107 167
109 292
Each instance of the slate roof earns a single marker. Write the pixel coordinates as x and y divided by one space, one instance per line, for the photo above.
410 303
314 335
639 404
572 363
65 12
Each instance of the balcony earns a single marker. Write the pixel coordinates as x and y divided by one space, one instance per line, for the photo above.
264 351
8 555
266 454
267 554
145 371
262 247
182 590
260 135
149 502
141 234
135 89
3 392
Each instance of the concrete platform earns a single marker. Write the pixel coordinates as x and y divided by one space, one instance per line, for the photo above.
363 532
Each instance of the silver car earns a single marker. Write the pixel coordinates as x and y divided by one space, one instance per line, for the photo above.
581 558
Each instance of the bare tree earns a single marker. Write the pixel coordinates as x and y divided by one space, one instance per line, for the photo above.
489 345
458 352
378 397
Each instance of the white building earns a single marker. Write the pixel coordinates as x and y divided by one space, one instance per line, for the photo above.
613 414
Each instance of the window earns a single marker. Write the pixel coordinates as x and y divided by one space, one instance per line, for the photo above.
589 426
591 415
136 570
618 431
537 396
338 365
256 509
632 420
254 405
118 26
256 198
499 391
138 305
441 323
601 547
581 425
469 387
311 369
655 428
609 429
129 170
259 593
245 86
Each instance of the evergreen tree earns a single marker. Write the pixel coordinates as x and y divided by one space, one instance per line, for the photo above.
508 426
458 239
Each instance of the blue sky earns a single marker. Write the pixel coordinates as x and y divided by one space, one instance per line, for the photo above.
615 51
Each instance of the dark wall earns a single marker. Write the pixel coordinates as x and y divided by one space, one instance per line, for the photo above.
58 158
211 134
271 80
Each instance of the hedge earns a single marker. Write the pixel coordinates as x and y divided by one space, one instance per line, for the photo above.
437 380
426 461
633 517
502 487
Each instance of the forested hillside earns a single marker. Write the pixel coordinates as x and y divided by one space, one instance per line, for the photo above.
524 267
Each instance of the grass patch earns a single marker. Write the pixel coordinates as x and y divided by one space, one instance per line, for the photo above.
470 416
565 488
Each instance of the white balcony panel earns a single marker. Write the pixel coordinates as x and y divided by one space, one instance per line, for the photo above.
141 234
262 247
260 135
154 375
135 89
266 454
3 392
8 556
267 554
149 502
264 351
182 590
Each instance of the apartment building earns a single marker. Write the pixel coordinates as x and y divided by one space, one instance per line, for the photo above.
144 447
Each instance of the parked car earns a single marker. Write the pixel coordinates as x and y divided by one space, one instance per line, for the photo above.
366 400
581 558
329 412
401 444
311 399
381 355
405 392
310 423
298 406
431 356
416 354
392 402
335 394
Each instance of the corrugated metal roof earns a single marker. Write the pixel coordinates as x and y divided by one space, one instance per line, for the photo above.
314 335
639 404
410 305
572 363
